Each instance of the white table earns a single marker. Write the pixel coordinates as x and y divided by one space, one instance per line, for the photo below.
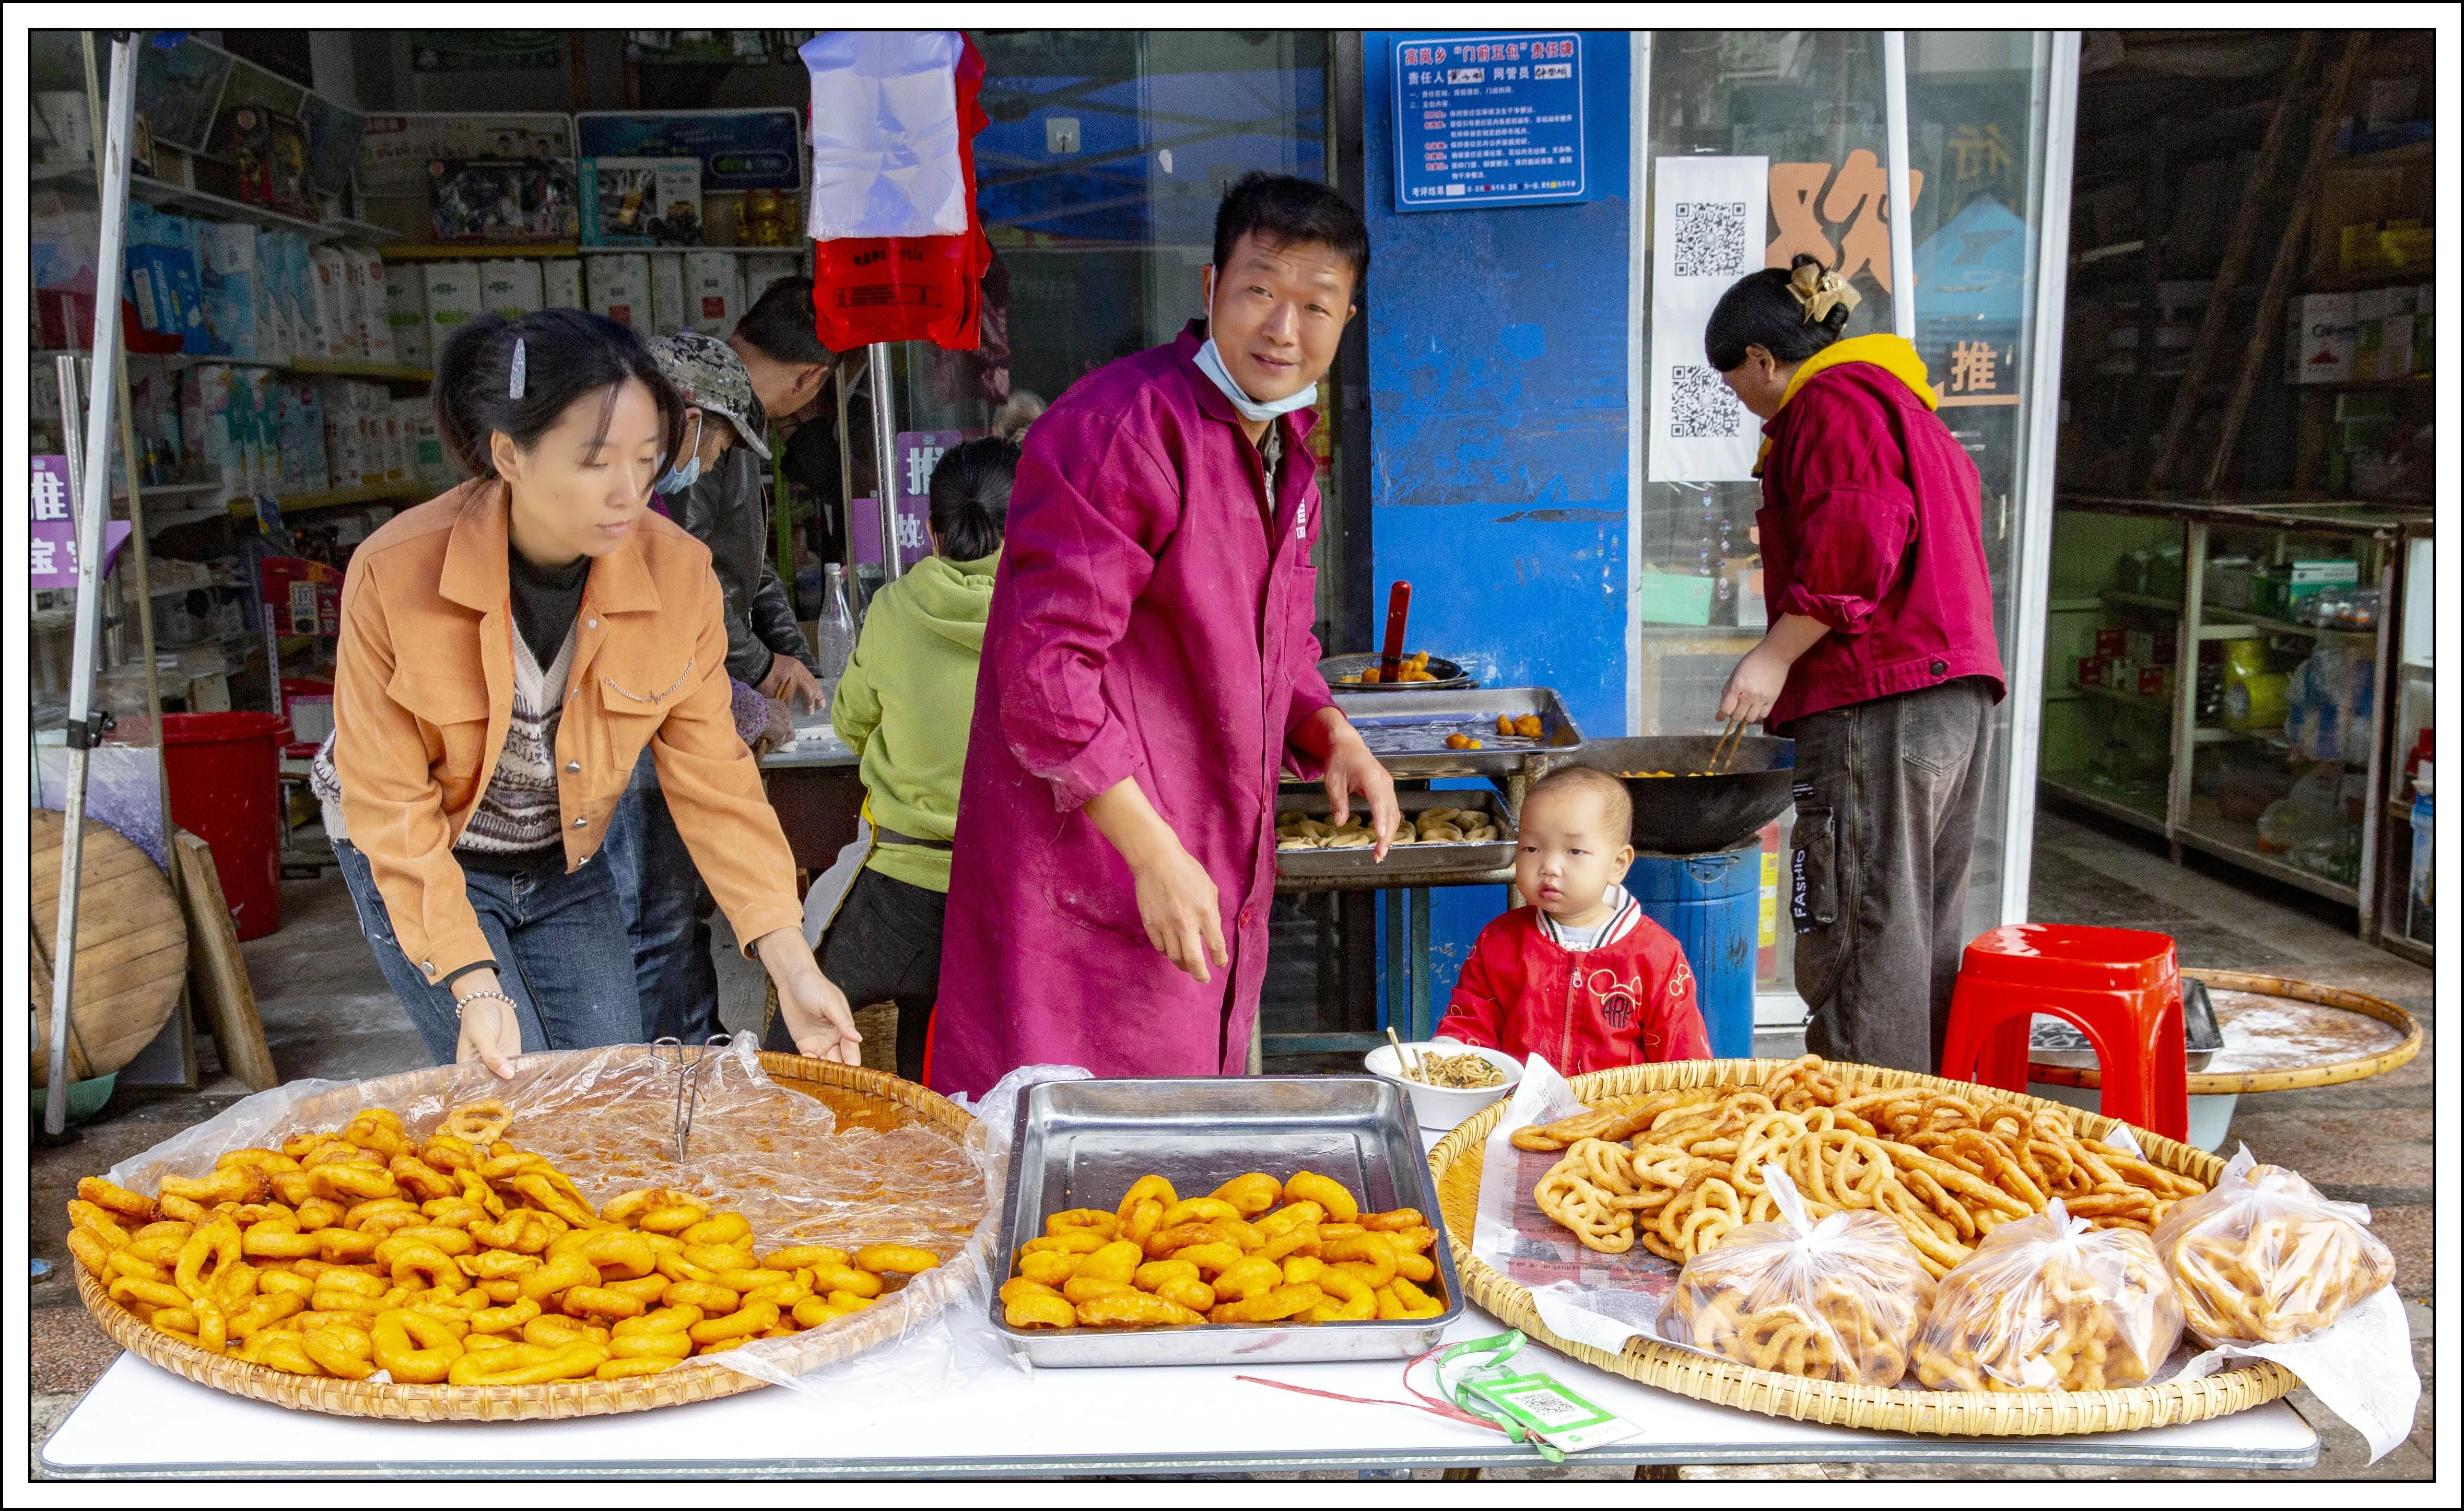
140 1420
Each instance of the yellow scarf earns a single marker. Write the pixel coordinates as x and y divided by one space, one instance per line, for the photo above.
1892 354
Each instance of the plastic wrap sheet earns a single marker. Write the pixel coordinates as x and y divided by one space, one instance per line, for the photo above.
606 1118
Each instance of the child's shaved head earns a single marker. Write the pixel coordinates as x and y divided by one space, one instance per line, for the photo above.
1570 782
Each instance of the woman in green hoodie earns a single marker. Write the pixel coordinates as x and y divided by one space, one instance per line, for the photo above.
904 707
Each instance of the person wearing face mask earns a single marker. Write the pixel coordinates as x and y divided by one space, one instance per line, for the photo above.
1149 676
1880 662
667 907
508 652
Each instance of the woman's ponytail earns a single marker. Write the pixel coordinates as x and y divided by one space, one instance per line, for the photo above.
970 494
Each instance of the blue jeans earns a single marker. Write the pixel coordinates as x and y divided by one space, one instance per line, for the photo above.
667 909
557 941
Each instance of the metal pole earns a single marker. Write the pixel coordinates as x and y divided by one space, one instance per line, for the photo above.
842 377
1895 117
140 578
884 432
2033 525
94 487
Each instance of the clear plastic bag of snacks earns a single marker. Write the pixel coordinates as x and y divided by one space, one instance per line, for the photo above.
2264 1257
2050 1303
1838 1299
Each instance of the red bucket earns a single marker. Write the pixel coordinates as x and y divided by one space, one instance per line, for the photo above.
224 773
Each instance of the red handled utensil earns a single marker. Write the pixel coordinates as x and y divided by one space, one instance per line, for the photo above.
1398 608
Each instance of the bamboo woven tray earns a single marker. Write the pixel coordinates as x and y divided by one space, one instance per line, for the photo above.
867 1099
2328 1072
1456 1165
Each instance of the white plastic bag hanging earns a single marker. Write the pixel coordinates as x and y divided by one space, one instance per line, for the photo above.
885 134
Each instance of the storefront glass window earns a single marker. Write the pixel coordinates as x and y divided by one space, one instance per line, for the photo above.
1098 181
1798 119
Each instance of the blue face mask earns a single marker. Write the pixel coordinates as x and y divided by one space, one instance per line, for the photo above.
1210 361
680 478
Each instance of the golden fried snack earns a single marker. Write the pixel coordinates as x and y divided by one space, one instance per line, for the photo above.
1837 1301
1257 1250
481 1122
387 1252
1308 1186
2049 1303
2265 1259
1949 1168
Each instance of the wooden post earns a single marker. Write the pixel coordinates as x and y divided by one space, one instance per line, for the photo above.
217 974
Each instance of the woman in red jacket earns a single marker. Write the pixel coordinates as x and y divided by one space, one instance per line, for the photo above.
1880 661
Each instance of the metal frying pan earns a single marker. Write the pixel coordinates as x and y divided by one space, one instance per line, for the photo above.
1335 668
1683 814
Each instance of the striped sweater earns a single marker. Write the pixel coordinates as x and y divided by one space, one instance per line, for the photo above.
517 815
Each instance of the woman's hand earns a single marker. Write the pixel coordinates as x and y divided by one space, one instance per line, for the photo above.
491 1033
1350 768
1177 904
1179 908
815 1009
1753 687
792 681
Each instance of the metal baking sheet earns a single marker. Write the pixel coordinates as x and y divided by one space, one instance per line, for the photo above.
1419 861
1083 1143
1444 674
1407 730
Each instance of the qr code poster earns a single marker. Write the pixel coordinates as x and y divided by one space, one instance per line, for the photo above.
1708 229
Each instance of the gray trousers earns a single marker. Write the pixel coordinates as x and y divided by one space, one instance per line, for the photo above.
1887 793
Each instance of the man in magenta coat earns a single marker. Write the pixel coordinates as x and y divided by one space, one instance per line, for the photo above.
1149 674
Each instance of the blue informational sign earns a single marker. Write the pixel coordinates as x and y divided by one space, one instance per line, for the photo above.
739 149
1488 121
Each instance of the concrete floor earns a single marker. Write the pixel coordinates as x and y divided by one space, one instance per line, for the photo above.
328 1013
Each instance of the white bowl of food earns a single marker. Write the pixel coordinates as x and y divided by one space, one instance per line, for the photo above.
1447 1087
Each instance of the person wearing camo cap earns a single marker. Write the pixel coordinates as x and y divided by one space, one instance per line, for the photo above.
711 488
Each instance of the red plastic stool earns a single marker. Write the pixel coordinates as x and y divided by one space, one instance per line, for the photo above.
2121 987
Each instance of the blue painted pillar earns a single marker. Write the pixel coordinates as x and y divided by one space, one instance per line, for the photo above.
1497 377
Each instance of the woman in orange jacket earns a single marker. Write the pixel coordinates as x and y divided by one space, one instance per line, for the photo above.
507 652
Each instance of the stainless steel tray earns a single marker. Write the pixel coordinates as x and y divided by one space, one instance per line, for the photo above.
1416 860
1082 1143
1444 674
1407 730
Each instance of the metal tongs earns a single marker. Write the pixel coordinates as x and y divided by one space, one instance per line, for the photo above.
688 1073
1724 754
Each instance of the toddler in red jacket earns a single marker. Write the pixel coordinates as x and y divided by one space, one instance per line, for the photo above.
1580 977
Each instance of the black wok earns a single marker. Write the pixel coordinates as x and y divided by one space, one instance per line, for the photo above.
1683 814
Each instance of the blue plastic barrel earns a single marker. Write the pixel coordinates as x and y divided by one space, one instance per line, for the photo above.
1713 905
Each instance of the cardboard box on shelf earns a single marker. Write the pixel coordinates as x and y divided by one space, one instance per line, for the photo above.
641 202
2319 332
560 280
619 287
511 287
329 286
2383 334
667 291
714 291
453 300
406 313
373 332
762 269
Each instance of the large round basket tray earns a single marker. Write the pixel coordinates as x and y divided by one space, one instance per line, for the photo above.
865 1099
2322 1035
1455 1165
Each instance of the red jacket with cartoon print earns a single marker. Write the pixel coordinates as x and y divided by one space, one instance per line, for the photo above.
1625 1003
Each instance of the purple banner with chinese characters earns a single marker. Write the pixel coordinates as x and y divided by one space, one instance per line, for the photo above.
915 454
51 540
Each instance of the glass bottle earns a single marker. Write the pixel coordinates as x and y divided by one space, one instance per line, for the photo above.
834 627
